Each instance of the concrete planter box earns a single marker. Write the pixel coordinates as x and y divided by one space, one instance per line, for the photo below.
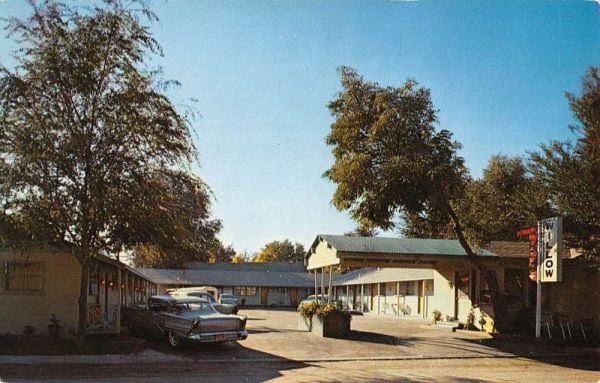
334 326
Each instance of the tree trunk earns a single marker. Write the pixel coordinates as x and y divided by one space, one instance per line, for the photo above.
498 299
82 300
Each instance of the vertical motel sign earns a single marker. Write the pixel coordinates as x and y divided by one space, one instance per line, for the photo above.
550 250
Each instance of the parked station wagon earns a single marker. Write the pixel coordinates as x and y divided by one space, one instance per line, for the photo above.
183 318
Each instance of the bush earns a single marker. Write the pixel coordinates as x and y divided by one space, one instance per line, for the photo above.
437 315
322 311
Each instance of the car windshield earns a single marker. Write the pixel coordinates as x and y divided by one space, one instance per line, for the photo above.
202 295
227 296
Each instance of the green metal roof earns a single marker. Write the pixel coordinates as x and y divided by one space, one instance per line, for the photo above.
381 245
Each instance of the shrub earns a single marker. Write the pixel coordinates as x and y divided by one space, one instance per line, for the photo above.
322 311
29 330
437 315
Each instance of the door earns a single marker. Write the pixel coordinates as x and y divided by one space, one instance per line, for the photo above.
294 296
264 296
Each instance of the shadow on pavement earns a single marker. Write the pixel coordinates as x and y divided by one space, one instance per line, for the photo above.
556 352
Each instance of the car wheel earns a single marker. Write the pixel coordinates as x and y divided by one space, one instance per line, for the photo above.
174 339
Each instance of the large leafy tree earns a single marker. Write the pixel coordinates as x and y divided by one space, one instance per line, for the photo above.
571 172
391 164
94 158
280 251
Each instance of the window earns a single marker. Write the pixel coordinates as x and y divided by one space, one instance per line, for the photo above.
24 276
245 290
484 292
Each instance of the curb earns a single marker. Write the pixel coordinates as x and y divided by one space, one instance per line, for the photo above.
158 359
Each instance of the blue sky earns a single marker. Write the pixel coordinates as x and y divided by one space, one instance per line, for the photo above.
264 71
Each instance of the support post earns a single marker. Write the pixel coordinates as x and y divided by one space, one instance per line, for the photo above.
378 298
329 292
120 293
538 294
397 298
322 284
316 288
362 298
348 295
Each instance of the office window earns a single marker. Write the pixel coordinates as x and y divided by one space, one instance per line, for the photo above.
245 290
24 276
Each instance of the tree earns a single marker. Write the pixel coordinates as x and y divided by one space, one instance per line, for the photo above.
280 251
493 208
571 172
362 231
94 157
239 258
220 253
392 164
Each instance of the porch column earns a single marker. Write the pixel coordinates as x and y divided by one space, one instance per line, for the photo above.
329 292
126 295
322 283
378 297
362 298
397 298
316 287
120 300
348 295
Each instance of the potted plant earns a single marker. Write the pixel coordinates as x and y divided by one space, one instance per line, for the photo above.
327 320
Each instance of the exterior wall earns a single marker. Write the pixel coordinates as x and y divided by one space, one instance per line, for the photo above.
324 255
444 292
277 296
58 295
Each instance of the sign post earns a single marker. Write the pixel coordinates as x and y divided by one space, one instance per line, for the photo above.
549 261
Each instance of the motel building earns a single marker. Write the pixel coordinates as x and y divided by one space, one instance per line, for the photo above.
411 278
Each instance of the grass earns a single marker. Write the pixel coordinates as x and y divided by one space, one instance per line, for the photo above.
92 345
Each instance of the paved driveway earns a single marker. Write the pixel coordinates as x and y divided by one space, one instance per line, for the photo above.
274 335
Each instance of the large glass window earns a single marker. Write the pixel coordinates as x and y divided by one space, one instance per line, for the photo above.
27 276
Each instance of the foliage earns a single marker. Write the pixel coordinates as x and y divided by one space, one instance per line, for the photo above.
322 310
389 159
507 198
220 253
437 315
362 231
28 330
280 251
308 309
239 258
571 172
94 157
391 163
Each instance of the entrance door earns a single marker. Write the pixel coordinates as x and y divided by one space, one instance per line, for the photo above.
293 296
264 296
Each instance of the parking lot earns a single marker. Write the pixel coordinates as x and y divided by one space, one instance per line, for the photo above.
377 349
274 336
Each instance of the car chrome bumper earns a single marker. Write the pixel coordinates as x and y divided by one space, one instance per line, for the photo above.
218 336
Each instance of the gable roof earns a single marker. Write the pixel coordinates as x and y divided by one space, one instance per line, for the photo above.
383 245
227 278
250 266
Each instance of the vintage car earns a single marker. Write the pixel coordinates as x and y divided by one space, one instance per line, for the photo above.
208 293
183 318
